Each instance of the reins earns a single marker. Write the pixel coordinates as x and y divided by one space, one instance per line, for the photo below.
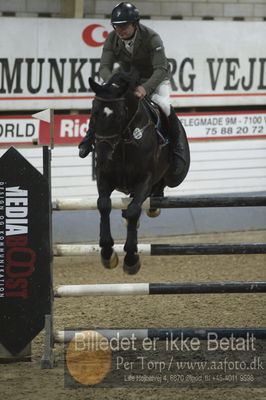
127 128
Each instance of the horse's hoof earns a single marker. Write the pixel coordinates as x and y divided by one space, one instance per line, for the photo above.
153 212
110 263
132 269
126 223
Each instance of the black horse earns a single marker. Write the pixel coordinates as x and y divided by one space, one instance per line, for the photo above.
131 157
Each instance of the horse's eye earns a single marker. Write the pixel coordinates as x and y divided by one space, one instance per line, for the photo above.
115 85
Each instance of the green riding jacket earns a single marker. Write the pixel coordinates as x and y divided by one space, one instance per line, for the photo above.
148 57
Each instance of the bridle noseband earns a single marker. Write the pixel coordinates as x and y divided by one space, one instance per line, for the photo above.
109 100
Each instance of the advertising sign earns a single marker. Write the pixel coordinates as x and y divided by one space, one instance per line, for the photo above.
47 62
24 251
70 129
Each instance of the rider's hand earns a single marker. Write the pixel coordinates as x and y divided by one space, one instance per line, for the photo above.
140 92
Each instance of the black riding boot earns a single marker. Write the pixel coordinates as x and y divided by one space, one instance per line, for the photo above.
177 149
86 145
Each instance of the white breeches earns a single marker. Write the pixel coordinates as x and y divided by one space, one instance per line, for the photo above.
161 96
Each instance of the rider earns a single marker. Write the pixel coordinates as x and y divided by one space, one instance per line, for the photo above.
133 44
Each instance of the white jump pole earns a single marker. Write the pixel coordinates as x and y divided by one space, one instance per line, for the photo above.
91 249
117 289
91 203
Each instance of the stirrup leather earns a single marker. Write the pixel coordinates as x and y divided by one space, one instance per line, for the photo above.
155 112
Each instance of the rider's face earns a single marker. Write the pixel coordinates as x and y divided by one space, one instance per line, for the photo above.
124 31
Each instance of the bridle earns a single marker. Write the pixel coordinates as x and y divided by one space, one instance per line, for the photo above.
125 136
108 139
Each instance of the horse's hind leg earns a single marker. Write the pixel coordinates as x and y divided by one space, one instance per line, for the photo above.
109 257
157 191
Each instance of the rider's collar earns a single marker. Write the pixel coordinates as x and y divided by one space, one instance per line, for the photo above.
129 43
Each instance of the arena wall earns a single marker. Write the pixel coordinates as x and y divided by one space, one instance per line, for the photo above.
176 9
230 165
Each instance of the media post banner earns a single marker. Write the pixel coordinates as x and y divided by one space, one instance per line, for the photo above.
47 62
24 251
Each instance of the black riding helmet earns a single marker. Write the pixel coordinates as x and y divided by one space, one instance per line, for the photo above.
124 13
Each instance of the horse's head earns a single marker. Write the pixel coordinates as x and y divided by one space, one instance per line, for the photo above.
110 113
118 85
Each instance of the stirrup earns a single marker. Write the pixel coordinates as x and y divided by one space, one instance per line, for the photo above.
164 141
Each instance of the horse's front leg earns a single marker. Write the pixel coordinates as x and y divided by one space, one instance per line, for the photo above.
132 213
109 257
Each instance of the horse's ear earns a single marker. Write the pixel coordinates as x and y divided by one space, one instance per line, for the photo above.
95 87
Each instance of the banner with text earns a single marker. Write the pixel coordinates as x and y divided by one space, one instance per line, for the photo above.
70 129
212 62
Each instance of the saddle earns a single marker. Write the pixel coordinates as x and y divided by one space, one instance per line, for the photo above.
160 120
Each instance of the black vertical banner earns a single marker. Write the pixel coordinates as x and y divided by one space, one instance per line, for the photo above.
25 254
